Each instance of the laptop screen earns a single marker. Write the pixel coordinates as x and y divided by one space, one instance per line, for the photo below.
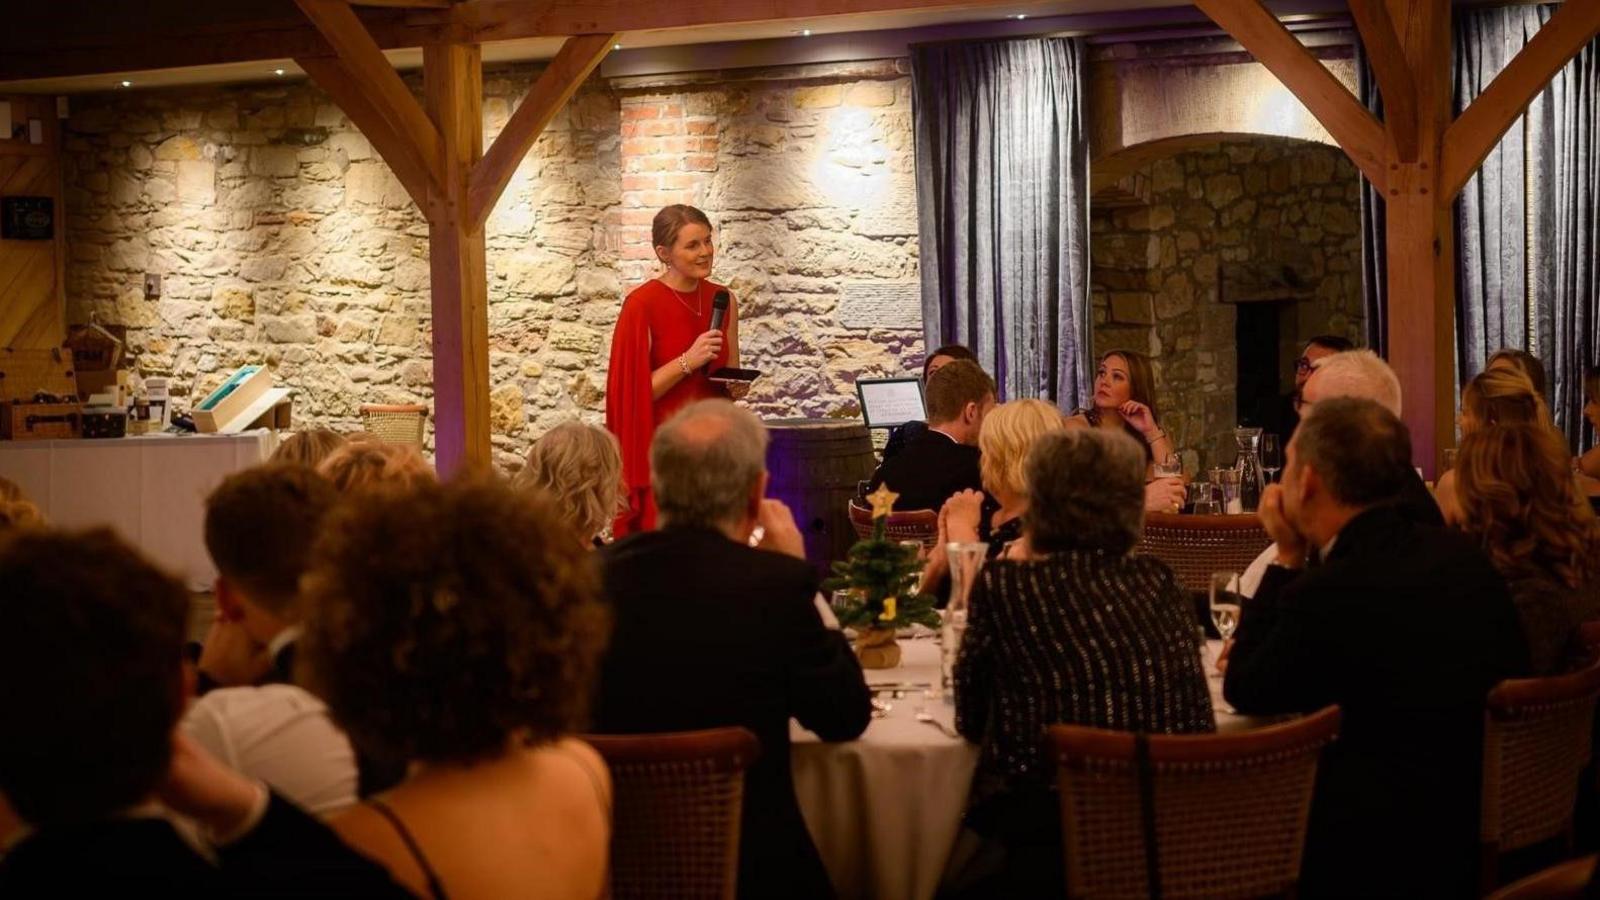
890 402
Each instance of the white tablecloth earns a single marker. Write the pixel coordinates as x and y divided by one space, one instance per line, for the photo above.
151 489
884 810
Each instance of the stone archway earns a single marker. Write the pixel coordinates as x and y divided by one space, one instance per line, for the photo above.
1218 254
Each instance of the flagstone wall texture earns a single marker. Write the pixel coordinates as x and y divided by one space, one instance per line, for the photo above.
281 237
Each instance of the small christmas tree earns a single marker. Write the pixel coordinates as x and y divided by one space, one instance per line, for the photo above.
882 576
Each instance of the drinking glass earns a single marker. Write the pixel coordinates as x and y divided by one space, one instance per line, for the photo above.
1202 498
1225 602
1228 481
966 560
1271 456
1171 467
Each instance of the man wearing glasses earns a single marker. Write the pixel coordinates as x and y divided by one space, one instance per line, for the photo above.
1284 415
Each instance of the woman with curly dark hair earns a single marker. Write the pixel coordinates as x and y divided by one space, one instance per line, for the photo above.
1517 495
456 626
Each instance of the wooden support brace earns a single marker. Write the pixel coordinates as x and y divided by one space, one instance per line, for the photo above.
403 159
408 4
370 69
1356 130
1472 136
1387 55
556 85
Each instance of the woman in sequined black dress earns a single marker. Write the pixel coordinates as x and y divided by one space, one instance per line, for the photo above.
1079 632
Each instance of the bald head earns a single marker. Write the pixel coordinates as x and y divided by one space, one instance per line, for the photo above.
706 464
1361 374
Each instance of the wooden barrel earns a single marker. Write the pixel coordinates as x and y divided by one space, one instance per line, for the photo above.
814 467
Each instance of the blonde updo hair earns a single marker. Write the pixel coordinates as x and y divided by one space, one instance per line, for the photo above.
579 466
1009 432
1503 396
361 465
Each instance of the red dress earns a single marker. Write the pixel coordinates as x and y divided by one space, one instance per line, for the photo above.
657 325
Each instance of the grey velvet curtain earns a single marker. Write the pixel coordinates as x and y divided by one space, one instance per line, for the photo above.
1003 208
1525 224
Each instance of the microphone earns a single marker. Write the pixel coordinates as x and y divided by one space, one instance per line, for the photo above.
719 312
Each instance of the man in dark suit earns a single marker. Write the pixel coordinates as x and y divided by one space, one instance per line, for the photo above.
942 460
1406 627
91 685
710 631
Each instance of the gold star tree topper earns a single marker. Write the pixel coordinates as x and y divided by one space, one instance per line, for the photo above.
882 501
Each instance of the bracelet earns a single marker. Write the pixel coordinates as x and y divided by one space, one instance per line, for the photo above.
1152 440
683 363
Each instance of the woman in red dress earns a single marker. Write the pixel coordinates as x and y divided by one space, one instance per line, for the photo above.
662 349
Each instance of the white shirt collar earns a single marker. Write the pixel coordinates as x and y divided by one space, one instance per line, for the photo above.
283 639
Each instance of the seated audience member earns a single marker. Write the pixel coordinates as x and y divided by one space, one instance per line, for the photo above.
1517 499
1589 463
1406 627
741 642
995 516
1125 400
1020 671
456 626
580 467
1282 415
1497 396
259 527
1364 375
1524 362
91 663
16 511
363 464
308 448
936 360
944 458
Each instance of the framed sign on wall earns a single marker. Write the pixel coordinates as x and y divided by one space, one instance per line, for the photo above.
27 218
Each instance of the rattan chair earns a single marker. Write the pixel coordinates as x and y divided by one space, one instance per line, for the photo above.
1228 812
1537 737
675 813
395 423
912 525
1567 881
1196 546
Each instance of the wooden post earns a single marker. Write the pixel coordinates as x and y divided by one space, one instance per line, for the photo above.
453 89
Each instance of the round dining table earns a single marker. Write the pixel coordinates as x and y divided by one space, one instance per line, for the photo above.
885 809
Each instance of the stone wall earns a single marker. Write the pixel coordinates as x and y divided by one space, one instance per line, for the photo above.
1252 220
281 237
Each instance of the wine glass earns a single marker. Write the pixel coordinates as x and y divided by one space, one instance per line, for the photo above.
1169 467
1271 456
1225 602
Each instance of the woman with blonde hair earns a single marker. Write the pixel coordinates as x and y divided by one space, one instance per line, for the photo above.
1518 498
580 467
1502 395
362 465
308 448
994 516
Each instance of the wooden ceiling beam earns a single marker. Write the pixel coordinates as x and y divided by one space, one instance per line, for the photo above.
1468 141
403 159
384 89
1357 131
1387 55
555 86
407 4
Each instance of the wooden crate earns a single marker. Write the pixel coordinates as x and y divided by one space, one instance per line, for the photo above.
24 375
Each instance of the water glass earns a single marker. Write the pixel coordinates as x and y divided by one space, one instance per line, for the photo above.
1170 467
1201 499
1225 602
1228 481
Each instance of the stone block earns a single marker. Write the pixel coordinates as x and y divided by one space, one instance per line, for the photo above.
1222 190
869 93
274 161
178 147
197 182
1176 297
823 96
233 300
1133 308
575 338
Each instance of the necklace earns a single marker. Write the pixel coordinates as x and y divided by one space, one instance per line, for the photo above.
698 306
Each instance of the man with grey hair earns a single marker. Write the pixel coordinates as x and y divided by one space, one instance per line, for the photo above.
710 631
1406 627
1361 374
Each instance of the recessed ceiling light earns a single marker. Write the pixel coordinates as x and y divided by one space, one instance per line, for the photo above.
805 32
1020 16
277 71
616 46
127 84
